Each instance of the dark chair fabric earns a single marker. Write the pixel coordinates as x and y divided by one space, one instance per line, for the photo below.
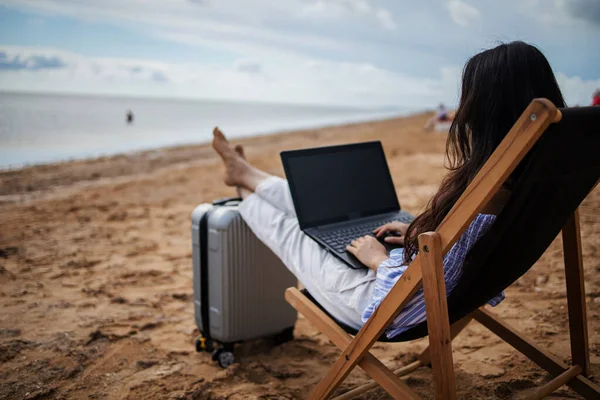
549 185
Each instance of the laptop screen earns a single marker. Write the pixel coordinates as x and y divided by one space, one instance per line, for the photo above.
339 183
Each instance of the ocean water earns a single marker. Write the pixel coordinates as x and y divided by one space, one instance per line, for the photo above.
36 128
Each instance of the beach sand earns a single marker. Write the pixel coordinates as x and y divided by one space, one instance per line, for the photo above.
96 282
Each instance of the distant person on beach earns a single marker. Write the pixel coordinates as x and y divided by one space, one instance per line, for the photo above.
497 85
129 117
596 98
441 115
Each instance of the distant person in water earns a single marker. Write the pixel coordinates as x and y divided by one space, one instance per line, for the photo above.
129 117
596 98
441 115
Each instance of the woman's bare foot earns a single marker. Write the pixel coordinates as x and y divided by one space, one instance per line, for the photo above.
237 170
235 166
242 192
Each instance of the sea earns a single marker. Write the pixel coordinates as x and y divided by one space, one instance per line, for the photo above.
43 128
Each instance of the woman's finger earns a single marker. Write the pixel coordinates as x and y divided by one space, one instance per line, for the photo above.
395 240
351 250
382 229
354 243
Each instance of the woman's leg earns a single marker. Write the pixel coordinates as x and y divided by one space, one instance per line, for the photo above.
238 172
430 123
342 291
276 191
271 188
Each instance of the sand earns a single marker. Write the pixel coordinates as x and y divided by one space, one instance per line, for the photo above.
96 282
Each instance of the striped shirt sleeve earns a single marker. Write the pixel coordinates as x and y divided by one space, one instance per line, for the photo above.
392 269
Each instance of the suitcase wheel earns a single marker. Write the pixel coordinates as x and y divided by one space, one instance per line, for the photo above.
284 336
224 357
204 344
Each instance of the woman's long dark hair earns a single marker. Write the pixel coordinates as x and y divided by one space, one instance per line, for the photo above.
497 85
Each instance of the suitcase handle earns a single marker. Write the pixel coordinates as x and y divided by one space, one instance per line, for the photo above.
225 200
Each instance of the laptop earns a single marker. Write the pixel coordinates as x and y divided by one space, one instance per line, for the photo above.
341 193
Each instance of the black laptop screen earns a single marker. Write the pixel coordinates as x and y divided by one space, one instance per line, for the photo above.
334 184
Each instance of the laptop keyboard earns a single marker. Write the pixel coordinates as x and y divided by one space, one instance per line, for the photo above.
340 238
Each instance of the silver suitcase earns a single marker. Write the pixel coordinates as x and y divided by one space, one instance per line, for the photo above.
239 283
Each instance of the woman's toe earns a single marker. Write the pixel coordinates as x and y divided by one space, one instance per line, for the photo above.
240 150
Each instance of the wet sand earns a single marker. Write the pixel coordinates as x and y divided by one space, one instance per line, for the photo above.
96 282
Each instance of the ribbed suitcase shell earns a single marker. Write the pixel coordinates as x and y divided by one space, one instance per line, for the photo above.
246 280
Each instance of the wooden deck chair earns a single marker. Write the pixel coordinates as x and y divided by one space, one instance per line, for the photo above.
559 164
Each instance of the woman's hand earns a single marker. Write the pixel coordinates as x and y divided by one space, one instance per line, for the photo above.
399 228
369 251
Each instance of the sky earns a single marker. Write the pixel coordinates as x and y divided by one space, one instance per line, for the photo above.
365 53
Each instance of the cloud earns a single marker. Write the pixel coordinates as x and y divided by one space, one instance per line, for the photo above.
30 62
211 24
462 13
353 52
386 18
341 9
33 61
412 37
586 10
158 76
577 91
248 66
307 81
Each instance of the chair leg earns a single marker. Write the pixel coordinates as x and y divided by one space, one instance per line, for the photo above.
440 339
423 359
571 236
369 363
407 369
536 353
455 329
555 383
390 307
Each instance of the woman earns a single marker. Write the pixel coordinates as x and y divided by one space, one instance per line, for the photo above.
441 115
497 86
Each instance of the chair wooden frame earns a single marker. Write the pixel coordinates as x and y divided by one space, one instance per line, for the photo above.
426 271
